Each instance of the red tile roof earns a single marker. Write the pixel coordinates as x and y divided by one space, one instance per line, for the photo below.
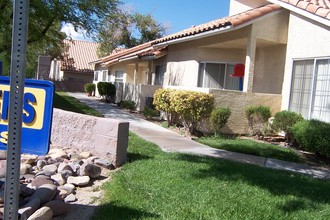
231 21
77 56
317 7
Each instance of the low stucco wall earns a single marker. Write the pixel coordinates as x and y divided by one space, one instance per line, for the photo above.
103 137
238 102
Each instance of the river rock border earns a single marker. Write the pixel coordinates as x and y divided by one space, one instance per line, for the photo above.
48 183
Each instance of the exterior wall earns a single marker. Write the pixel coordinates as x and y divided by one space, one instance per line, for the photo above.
306 39
237 6
237 102
269 70
137 93
104 137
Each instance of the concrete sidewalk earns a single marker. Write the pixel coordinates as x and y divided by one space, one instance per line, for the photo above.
172 142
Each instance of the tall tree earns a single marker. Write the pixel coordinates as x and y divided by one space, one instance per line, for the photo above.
126 30
45 20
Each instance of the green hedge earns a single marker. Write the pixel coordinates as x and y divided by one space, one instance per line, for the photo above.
219 118
191 107
285 120
257 117
106 90
89 88
313 136
127 104
162 102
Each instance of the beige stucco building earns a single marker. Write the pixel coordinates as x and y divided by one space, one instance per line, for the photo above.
277 43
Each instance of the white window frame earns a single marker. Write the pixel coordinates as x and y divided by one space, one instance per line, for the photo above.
313 85
203 71
119 79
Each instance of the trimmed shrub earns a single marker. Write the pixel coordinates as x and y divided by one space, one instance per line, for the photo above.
162 102
192 107
127 104
150 113
90 88
313 136
106 90
257 117
284 121
219 118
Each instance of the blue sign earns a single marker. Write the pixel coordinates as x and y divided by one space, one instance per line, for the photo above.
37 115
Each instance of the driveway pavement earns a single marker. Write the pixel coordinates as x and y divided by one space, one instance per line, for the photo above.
173 142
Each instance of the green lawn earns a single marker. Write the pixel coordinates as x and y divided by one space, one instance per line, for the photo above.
159 185
252 147
65 102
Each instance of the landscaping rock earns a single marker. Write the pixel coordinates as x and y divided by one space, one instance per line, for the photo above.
25 169
70 198
50 169
28 158
3 168
79 180
41 180
51 181
90 170
44 213
58 178
104 163
85 155
41 163
57 153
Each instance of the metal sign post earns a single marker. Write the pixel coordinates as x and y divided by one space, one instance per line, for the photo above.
17 68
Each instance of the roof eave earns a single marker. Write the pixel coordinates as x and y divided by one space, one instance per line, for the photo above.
215 31
302 12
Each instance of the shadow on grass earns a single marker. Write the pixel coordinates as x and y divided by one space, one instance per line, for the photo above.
113 211
132 157
265 152
275 181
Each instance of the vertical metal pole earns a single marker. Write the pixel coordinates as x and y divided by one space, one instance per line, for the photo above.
17 68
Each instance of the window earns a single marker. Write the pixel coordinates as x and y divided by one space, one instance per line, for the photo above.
119 76
104 75
217 75
96 75
159 75
310 89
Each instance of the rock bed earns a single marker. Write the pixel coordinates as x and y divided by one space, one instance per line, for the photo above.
48 183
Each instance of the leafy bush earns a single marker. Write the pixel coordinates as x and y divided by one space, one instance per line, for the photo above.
219 118
284 121
127 104
192 107
313 136
257 117
150 113
162 102
89 88
106 90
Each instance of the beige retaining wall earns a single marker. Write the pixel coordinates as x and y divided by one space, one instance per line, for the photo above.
238 101
103 137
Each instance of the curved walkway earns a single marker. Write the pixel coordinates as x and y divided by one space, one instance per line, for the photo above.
171 141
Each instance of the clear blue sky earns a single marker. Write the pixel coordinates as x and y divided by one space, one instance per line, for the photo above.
181 14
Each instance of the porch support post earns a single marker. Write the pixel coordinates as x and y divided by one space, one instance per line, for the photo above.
250 62
135 72
150 67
